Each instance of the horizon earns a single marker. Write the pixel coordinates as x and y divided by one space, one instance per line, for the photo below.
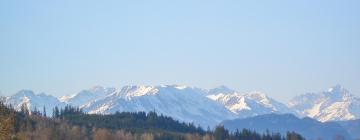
281 48
183 69
220 86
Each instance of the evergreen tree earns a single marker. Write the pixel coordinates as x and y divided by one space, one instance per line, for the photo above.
56 112
44 111
71 123
293 136
221 133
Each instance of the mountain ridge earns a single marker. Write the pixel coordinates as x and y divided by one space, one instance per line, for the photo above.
334 104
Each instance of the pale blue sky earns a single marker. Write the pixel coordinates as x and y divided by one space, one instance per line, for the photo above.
280 47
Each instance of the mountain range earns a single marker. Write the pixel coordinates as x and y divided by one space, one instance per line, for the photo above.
204 107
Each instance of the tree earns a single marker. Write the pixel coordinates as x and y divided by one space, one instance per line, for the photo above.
24 109
71 123
4 128
221 133
56 112
147 136
207 137
44 111
6 122
120 135
293 136
101 134
339 137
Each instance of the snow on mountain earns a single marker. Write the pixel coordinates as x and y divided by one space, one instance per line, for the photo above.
180 102
334 104
86 96
221 89
32 101
248 105
189 104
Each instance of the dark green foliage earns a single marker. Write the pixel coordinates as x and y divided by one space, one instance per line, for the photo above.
221 133
293 136
130 121
72 123
6 121
44 111
56 112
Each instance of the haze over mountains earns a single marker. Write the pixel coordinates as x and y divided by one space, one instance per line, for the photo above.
200 106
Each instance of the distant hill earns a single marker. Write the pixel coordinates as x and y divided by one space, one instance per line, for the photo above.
71 123
309 128
352 127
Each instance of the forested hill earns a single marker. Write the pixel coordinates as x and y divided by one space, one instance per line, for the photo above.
129 121
72 124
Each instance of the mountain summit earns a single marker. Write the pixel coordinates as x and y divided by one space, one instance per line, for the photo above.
248 105
334 104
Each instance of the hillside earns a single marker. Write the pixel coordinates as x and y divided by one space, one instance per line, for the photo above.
72 123
307 127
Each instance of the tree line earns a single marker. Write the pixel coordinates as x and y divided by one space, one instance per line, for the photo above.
71 123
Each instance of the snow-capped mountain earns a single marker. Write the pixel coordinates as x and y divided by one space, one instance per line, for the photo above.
189 104
334 104
247 105
86 96
180 102
220 89
32 101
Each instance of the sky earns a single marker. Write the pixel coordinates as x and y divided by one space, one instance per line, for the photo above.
283 48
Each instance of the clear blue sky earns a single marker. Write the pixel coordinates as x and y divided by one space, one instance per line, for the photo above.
280 47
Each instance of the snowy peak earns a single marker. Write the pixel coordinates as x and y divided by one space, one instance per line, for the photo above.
338 89
100 90
258 96
24 93
221 89
132 91
262 99
129 92
250 104
338 93
135 88
86 96
22 97
33 101
234 102
179 87
29 95
332 105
